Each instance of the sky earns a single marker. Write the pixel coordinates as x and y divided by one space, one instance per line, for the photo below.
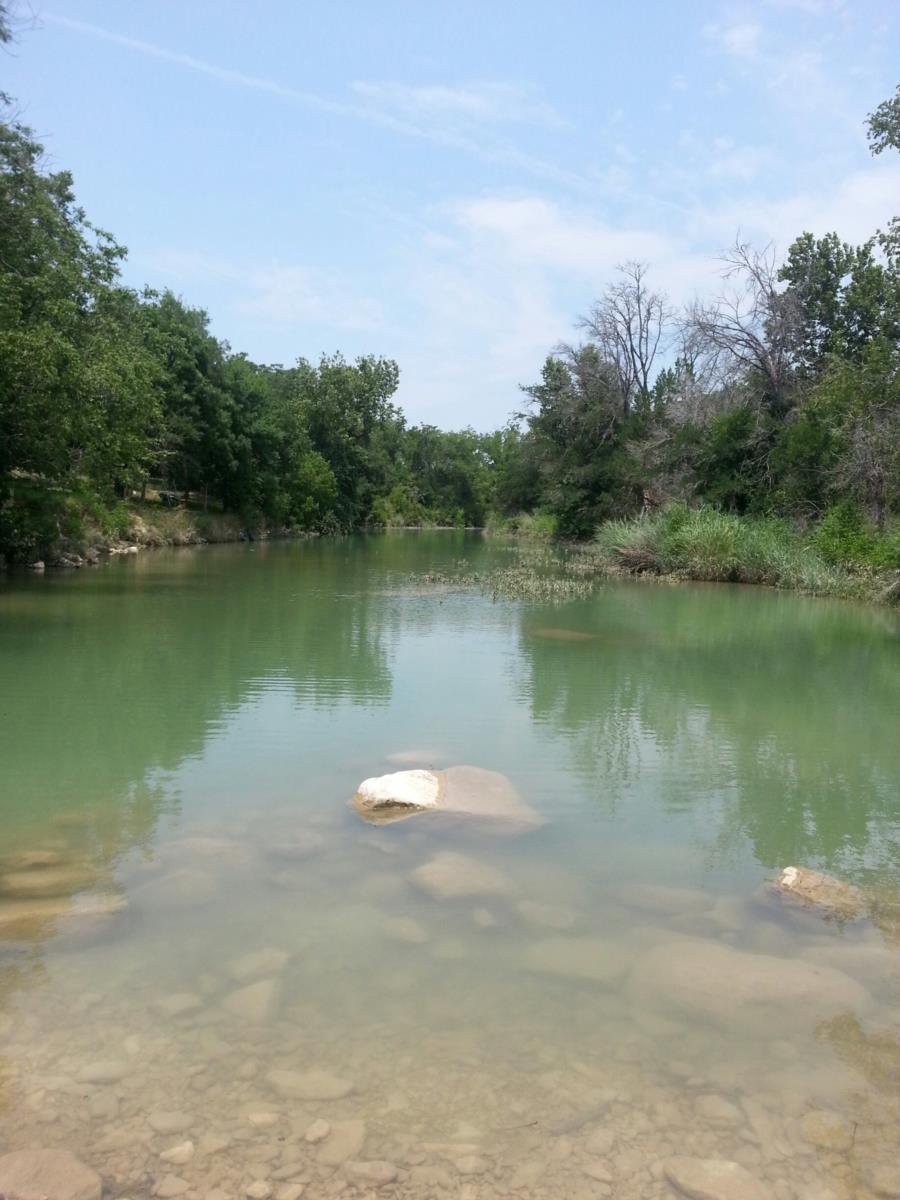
451 184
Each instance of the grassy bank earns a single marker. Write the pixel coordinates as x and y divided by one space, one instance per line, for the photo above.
841 557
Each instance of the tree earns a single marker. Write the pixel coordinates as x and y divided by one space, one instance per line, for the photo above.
752 322
628 327
884 125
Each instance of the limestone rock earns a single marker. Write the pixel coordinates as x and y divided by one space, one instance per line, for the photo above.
261 1189
461 792
104 1071
179 1155
317 1132
452 876
257 1003
591 959
170 1186
309 1085
58 1174
731 987
344 1142
265 963
376 1172
816 889
392 797
713 1179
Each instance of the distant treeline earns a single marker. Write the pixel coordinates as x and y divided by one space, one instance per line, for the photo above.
782 396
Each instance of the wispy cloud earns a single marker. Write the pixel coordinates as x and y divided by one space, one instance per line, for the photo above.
465 142
491 102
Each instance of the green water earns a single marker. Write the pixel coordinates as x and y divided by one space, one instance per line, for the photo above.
172 727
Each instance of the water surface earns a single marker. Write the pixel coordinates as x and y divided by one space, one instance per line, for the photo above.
179 736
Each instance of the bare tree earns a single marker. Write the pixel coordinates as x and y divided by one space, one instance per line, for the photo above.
629 326
752 322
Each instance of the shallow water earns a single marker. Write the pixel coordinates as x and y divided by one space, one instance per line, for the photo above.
180 734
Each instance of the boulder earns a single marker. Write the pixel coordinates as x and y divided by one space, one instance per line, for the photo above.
47 1175
452 876
817 890
731 987
713 1179
464 792
387 798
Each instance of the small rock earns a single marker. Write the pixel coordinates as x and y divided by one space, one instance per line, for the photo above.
376 1172
169 1186
713 1179
309 1085
828 1131
317 1132
179 1155
718 1111
261 1189
598 1170
816 889
213 1143
262 1119
107 1072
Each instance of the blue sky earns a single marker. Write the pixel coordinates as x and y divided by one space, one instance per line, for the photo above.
451 184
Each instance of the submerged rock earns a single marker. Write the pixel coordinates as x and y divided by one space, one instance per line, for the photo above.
452 876
42 1174
730 986
713 1179
591 959
257 1003
463 792
344 1142
258 964
309 1085
816 889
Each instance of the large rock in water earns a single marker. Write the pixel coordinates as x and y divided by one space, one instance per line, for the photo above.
712 981
713 1179
818 890
47 1175
462 792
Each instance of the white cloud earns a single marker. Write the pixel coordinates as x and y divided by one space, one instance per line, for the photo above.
741 39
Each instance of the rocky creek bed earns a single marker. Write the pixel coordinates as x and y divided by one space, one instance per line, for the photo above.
277 1008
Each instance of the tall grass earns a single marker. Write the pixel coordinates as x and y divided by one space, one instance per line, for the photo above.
704 544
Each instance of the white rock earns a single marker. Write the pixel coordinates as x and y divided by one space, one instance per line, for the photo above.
391 797
317 1132
263 1119
180 1154
309 1085
290 1191
713 1179
816 889
261 1189
35 1174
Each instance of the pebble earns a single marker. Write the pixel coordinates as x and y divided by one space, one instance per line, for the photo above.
317 1132
213 1143
169 1186
263 1120
377 1172
260 1189
179 1155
